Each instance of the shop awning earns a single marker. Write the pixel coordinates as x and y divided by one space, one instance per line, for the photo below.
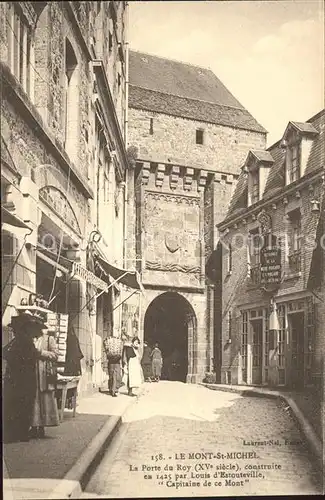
8 217
129 278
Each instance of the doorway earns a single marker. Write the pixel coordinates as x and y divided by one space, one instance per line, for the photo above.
257 335
296 322
169 321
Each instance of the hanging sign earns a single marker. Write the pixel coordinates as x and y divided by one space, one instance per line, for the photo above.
270 265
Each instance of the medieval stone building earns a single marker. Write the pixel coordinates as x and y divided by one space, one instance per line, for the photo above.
63 164
273 269
189 135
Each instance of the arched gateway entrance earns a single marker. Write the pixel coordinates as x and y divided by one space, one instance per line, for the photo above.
170 321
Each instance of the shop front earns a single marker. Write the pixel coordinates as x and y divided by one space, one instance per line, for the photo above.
281 356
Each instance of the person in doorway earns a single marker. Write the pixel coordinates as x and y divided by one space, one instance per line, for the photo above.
19 388
146 362
157 362
45 411
132 370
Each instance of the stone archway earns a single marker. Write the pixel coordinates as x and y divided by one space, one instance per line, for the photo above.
170 320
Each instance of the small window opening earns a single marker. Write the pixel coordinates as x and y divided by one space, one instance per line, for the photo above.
151 126
199 136
110 41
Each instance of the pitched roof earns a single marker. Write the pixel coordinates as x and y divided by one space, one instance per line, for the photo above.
304 127
159 102
276 177
180 89
261 155
178 78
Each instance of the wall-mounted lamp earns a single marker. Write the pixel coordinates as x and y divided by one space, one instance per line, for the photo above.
95 236
315 209
274 319
58 273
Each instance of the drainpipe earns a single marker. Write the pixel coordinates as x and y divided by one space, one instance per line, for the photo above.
125 201
101 131
126 44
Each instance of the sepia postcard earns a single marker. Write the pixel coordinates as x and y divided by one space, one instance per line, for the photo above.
163 248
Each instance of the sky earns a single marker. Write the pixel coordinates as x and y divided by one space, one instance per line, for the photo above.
269 54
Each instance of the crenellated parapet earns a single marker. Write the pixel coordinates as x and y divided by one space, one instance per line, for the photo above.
174 177
202 180
160 174
170 177
188 178
145 173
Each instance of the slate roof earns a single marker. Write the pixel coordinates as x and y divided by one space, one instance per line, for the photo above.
192 109
178 78
304 127
276 177
262 155
180 89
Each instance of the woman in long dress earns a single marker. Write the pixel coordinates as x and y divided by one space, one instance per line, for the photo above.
19 391
45 411
131 366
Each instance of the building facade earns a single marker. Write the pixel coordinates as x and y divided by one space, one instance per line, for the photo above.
187 134
64 165
272 245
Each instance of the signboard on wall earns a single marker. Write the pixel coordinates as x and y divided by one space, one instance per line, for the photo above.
270 265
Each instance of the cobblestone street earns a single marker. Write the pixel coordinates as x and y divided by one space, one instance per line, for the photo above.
185 440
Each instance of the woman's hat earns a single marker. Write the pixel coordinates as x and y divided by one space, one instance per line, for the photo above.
28 318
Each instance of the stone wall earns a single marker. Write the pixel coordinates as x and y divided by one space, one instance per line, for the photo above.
174 140
172 218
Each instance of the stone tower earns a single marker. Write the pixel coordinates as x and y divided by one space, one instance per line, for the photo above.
190 135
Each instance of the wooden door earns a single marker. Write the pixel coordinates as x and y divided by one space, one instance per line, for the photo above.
298 349
257 350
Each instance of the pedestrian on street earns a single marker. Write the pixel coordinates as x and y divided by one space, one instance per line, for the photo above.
113 348
133 375
157 362
146 362
45 411
19 388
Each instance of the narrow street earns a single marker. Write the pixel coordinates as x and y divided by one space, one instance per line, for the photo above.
186 440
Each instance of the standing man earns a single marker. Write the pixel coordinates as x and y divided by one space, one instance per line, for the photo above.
157 362
113 348
146 362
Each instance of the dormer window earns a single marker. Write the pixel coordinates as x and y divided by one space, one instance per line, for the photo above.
293 159
255 186
257 167
297 141
293 163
